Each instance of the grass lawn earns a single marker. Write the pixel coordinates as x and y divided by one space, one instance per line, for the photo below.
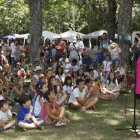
90 125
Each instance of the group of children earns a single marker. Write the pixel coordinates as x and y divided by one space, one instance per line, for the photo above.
43 94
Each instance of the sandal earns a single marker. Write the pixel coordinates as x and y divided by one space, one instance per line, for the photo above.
60 123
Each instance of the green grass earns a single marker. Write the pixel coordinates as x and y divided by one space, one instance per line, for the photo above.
90 125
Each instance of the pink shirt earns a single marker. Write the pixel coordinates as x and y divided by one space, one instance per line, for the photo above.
43 113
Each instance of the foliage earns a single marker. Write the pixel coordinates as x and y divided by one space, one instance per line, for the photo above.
136 17
14 16
75 15
60 15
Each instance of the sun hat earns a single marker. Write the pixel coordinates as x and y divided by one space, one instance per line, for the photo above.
37 68
66 70
113 47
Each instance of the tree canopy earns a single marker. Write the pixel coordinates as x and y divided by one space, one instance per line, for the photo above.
62 15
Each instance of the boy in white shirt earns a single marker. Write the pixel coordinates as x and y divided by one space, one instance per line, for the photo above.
6 120
79 98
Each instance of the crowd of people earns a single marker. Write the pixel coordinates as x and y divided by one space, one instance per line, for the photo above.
63 77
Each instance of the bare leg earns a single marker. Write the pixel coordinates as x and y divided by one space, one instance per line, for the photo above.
29 126
105 91
61 111
105 96
75 105
116 66
38 123
62 99
115 95
91 102
10 124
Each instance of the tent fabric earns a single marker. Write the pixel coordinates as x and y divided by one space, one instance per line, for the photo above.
14 36
70 35
95 34
50 35
25 36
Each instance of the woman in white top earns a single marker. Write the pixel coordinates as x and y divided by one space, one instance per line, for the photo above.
60 74
38 99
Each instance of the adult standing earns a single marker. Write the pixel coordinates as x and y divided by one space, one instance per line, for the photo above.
105 43
13 47
76 48
60 46
115 53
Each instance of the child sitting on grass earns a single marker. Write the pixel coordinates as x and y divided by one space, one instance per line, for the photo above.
6 120
92 95
51 111
110 91
25 118
79 98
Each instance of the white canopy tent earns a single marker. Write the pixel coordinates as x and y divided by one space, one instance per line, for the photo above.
95 34
69 35
25 36
9 37
50 35
14 36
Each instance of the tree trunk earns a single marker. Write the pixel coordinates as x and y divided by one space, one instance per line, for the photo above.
125 25
35 28
112 6
125 16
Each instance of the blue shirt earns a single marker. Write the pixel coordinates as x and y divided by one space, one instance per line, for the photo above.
87 60
22 112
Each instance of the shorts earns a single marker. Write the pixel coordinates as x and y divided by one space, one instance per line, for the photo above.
100 60
76 57
30 121
57 57
116 61
12 60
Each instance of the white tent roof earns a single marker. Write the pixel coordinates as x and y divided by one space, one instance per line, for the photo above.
25 36
95 34
70 34
50 35
9 37
14 36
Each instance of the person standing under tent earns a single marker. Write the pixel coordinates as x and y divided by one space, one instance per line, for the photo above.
13 47
60 46
105 43
76 48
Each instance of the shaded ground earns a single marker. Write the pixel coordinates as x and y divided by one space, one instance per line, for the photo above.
91 125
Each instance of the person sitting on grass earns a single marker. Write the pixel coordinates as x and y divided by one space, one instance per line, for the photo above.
111 89
79 97
68 87
51 111
38 99
25 117
6 120
92 95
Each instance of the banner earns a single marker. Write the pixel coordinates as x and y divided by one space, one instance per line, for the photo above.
137 90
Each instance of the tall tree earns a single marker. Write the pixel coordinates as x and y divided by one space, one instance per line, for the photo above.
125 24
125 16
35 7
112 6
